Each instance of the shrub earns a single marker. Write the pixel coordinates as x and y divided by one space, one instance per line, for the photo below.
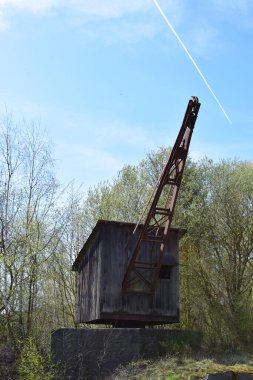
34 366
183 343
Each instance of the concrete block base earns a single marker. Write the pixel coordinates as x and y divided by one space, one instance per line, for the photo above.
94 353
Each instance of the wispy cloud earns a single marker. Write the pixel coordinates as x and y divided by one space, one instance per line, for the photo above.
34 6
82 11
122 134
241 6
103 8
107 135
85 164
191 59
4 25
92 157
217 152
103 133
85 150
238 10
205 40
92 10
109 8
130 32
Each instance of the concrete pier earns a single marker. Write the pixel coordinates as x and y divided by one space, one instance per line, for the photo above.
93 354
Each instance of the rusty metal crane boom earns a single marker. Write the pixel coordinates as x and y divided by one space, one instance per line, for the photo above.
142 276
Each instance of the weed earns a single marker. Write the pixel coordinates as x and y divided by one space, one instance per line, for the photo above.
34 366
173 377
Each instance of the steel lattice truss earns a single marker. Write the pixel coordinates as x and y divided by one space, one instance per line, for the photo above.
142 276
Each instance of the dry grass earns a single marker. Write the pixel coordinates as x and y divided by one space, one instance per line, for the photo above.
185 368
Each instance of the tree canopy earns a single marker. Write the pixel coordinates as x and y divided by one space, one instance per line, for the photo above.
43 227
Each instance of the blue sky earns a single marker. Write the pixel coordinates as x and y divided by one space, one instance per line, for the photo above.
109 81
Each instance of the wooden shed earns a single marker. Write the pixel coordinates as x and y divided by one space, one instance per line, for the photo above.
101 266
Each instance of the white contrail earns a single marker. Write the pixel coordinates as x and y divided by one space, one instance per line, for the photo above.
192 60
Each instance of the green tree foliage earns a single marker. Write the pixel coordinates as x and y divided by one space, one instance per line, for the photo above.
31 228
42 229
219 253
215 205
121 200
34 366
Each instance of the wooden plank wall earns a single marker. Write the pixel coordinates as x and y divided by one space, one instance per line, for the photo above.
88 283
114 263
101 271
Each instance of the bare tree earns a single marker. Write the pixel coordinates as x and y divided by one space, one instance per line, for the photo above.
29 224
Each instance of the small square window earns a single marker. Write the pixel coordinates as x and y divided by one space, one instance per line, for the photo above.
165 272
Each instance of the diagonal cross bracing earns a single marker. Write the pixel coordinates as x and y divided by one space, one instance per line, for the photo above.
142 276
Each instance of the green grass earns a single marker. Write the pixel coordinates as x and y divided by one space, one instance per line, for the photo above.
173 377
191 367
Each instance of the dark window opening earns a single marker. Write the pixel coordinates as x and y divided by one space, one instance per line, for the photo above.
165 272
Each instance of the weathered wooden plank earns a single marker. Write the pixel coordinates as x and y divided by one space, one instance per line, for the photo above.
101 268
